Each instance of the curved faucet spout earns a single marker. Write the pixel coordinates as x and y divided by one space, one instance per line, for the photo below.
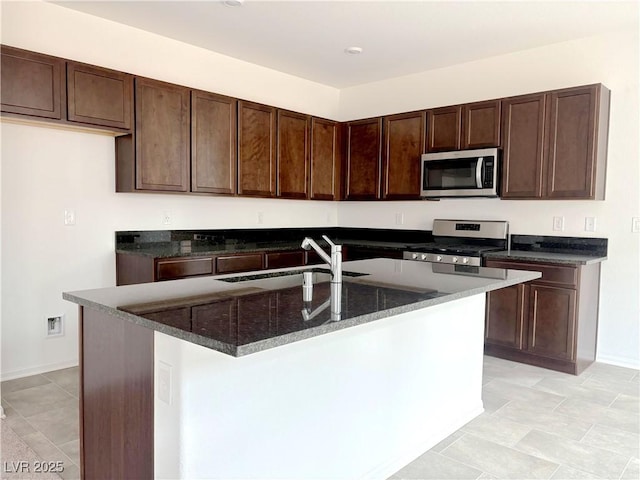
334 261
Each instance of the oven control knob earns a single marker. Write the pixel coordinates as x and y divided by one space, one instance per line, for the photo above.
414 256
438 258
465 260
454 259
423 257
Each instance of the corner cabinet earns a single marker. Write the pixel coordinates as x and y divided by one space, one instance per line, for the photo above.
326 160
550 322
364 142
256 149
404 142
555 144
157 156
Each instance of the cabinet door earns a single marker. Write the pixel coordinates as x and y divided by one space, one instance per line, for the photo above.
404 142
552 318
293 154
443 128
364 141
98 96
32 84
522 143
481 124
213 143
161 136
174 268
571 153
256 149
505 316
324 178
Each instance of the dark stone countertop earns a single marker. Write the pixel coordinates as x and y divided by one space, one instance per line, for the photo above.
546 257
265 310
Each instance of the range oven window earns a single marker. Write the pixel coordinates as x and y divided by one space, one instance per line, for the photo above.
448 175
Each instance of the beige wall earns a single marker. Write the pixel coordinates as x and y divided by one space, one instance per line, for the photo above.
45 170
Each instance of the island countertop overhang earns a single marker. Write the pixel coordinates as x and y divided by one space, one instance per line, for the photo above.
263 313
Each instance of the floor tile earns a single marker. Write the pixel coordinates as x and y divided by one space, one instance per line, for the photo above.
498 460
433 466
611 371
71 450
447 441
573 454
10 386
519 376
59 425
487 476
614 385
614 439
492 402
17 422
488 360
590 393
496 429
71 472
68 379
43 398
594 413
521 393
632 472
540 418
46 450
568 473
627 402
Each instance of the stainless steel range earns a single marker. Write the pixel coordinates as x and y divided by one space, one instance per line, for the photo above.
462 242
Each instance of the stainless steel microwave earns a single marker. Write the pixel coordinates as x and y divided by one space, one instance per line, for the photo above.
465 173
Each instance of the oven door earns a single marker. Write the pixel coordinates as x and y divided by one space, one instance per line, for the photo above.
471 173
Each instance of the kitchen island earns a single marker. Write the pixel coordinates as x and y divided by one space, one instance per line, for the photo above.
237 377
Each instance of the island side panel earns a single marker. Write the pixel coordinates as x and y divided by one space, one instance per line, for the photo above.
116 401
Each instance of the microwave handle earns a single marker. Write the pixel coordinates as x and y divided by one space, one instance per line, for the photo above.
479 170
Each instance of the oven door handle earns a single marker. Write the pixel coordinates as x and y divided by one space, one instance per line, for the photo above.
479 169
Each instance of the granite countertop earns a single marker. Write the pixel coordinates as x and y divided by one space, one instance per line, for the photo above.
243 314
546 257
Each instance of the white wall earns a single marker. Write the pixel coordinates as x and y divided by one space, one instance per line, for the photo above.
45 170
610 59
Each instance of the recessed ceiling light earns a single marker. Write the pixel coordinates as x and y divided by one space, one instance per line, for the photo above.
233 3
353 50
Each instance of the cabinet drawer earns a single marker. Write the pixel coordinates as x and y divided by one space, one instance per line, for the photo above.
239 263
552 274
284 259
169 269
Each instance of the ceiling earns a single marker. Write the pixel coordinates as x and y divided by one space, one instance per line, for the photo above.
308 38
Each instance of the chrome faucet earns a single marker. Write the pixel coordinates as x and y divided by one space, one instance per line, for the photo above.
334 261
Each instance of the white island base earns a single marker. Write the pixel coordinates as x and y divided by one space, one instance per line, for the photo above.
356 403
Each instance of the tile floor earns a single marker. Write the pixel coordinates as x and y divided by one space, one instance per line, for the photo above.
537 424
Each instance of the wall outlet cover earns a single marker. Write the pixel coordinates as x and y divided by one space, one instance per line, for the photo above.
69 217
558 224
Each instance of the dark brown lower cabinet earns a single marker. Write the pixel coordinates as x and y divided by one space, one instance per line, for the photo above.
550 322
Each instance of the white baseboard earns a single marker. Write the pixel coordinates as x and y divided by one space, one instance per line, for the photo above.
26 372
619 361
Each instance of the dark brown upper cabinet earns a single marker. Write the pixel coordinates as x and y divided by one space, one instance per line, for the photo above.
364 142
324 175
293 154
578 125
256 149
32 84
481 124
444 128
404 142
213 143
555 144
523 146
98 96
156 157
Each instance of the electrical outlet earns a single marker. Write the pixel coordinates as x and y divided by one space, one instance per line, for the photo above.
589 224
166 217
635 225
69 217
399 218
558 224
164 382
260 218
